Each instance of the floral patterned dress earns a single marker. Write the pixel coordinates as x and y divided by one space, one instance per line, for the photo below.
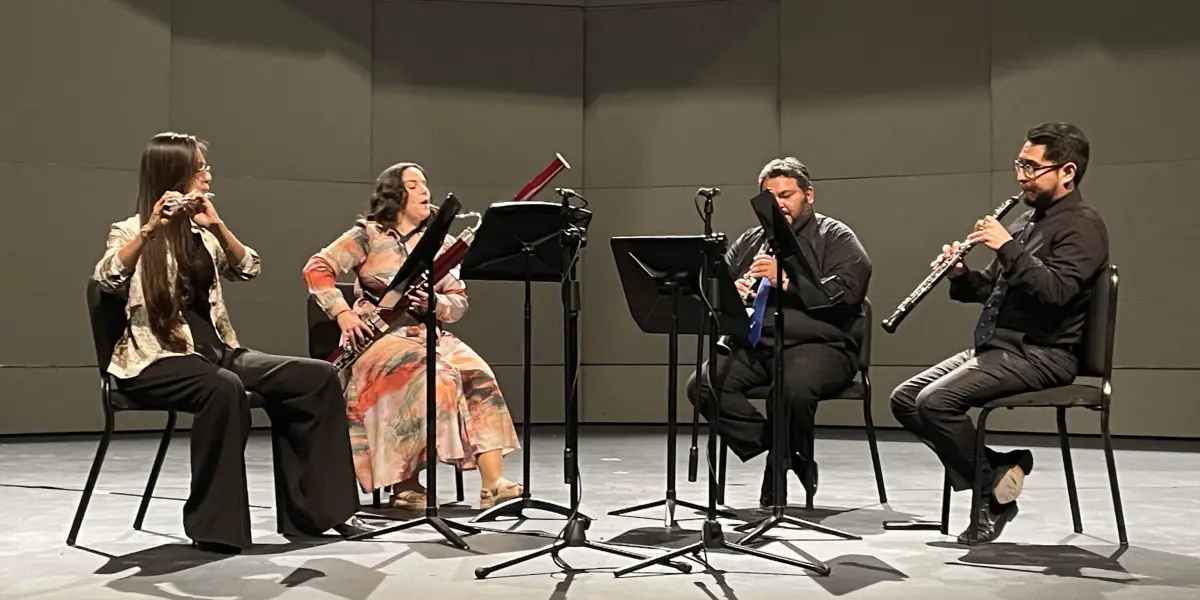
385 392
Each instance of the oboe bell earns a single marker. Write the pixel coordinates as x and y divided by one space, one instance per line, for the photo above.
943 266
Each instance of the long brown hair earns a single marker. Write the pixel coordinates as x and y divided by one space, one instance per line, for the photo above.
169 163
390 197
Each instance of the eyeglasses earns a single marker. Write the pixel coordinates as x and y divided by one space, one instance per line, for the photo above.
1030 170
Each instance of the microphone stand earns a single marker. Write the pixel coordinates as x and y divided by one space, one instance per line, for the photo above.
694 450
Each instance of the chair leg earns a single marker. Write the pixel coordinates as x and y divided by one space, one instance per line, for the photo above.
1112 478
94 474
155 469
977 484
873 441
812 455
1069 467
946 504
722 459
458 484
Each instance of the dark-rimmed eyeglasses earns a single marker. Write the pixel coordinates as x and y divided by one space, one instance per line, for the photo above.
1032 170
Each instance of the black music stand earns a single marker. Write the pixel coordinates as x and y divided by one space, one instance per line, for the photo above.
520 241
662 280
727 316
572 238
421 260
788 256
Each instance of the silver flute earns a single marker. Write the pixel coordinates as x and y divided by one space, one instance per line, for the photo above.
185 203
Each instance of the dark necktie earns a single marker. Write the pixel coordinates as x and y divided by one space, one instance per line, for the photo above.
986 328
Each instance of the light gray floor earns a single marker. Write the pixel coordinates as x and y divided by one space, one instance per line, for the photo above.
1038 557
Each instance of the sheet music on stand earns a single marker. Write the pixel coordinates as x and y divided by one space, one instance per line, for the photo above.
508 227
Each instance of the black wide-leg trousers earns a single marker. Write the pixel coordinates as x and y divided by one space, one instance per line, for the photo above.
314 473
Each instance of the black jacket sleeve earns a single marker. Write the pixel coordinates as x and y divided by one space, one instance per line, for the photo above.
847 271
974 285
1074 257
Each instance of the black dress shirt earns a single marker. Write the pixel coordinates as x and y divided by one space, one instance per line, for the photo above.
832 253
1050 277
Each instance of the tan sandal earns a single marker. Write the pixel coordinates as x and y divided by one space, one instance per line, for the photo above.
502 491
410 500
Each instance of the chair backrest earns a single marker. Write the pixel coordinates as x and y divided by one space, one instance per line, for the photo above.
862 332
1100 327
106 311
323 332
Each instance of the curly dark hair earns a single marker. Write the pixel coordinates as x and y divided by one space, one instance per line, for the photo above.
389 197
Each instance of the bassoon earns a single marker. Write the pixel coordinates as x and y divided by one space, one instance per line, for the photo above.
394 306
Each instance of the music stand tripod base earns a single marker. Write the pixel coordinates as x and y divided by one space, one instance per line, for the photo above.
575 537
516 507
915 525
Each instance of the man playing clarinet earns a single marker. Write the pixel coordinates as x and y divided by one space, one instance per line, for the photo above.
820 354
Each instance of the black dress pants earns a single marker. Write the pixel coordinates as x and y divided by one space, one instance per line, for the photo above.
810 372
934 403
314 472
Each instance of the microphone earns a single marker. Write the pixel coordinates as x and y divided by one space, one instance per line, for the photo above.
566 193
709 192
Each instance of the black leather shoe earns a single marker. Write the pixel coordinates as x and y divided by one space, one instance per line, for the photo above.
354 527
806 471
991 524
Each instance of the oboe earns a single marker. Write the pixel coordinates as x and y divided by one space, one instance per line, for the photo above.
943 266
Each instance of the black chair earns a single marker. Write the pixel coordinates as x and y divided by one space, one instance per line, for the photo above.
859 391
324 335
1095 360
106 311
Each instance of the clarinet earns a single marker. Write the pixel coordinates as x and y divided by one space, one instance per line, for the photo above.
943 266
764 248
751 285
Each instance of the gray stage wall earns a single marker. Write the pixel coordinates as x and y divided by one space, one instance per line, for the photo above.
908 114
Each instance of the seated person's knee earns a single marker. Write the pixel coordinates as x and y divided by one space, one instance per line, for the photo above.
224 388
800 392
933 401
693 388
901 401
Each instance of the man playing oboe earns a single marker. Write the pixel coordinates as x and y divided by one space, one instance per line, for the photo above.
1035 296
820 355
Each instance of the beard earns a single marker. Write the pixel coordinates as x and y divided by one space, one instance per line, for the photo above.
1036 198
802 215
